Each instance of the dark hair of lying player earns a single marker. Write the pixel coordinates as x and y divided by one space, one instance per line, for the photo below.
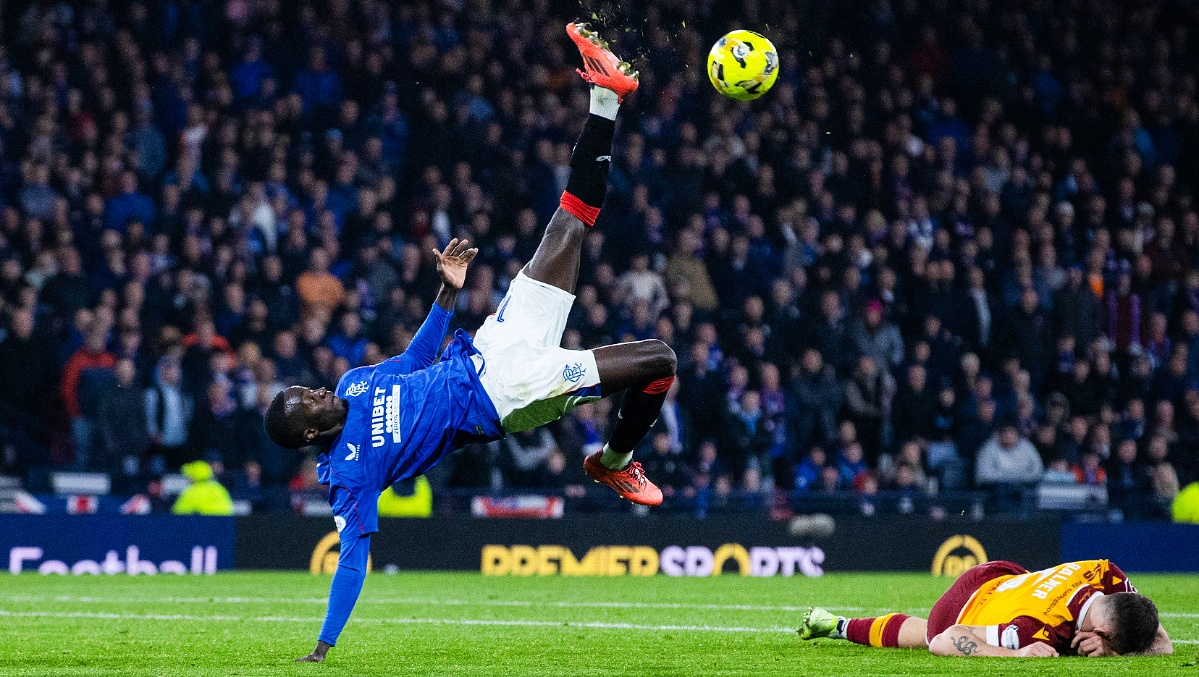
1127 621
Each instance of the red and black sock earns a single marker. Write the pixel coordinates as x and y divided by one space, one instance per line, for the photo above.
589 163
879 632
638 411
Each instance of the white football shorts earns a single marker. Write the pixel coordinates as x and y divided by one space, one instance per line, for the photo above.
530 378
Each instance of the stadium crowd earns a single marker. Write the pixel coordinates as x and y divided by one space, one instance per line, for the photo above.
955 246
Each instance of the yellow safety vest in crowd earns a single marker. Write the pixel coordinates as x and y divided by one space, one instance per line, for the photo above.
419 504
204 498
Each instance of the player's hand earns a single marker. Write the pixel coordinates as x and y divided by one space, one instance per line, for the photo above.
452 263
1037 650
1090 644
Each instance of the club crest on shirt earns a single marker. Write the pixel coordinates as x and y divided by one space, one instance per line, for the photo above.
573 372
356 389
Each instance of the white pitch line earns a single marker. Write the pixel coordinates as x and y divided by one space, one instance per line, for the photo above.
419 600
466 602
395 621
590 625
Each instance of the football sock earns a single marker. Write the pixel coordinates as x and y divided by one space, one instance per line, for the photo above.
604 102
839 631
615 460
637 415
588 182
878 632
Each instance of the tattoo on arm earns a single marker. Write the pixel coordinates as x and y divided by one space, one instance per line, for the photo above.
965 645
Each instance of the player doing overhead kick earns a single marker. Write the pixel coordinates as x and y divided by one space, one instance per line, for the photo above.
397 419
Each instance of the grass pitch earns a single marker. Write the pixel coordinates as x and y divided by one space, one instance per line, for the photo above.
467 624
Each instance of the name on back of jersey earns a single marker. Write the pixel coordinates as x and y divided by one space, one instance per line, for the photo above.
385 416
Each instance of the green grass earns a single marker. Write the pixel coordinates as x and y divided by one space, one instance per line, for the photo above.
256 623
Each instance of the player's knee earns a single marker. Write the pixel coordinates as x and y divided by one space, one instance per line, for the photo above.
567 223
660 358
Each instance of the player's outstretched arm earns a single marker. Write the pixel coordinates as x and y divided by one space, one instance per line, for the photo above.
343 594
966 640
451 266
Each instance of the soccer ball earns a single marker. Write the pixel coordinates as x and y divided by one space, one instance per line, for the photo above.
743 65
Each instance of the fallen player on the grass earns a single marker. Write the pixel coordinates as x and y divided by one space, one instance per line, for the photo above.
398 419
1087 608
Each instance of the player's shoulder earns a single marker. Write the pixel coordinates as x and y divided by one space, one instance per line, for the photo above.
355 382
1113 579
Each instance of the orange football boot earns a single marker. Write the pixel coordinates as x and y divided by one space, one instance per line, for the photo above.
630 483
600 66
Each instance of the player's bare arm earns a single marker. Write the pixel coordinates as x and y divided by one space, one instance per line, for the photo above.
968 640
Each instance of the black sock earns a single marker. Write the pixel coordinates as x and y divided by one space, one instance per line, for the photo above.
637 414
589 164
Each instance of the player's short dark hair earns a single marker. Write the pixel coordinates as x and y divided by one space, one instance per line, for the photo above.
1136 621
279 424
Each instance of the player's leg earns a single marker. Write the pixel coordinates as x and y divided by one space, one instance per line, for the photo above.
643 370
556 261
893 631
531 383
900 630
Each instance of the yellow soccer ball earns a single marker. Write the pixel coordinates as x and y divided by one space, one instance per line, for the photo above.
743 65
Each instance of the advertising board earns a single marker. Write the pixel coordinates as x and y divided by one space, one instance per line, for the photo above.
116 544
1135 546
630 546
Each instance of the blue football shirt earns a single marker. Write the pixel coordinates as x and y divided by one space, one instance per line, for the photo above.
404 417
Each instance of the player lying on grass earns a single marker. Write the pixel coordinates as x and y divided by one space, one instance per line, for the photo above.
1001 609
398 419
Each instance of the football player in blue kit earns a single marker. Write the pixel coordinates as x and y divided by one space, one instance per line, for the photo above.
397 419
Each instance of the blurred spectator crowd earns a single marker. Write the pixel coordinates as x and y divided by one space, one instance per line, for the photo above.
954 248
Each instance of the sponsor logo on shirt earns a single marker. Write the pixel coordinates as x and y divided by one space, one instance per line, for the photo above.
356 389
385 416
573 372
353 455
